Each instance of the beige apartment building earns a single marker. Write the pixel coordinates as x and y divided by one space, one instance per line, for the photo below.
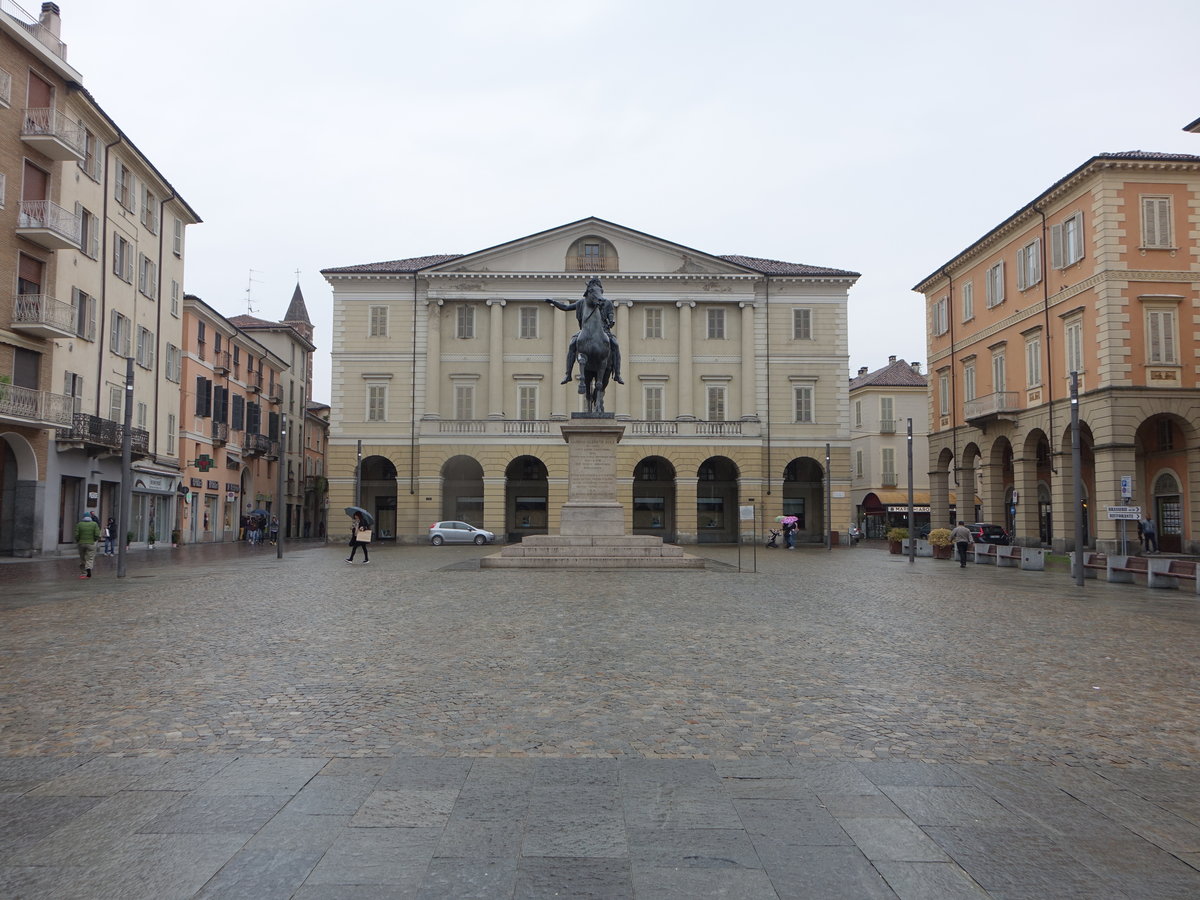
229 426
92 238
447 396
881 404
1098 275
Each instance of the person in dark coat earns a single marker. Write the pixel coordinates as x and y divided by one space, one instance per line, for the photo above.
356 525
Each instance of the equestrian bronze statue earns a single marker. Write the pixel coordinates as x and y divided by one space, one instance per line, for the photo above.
594 345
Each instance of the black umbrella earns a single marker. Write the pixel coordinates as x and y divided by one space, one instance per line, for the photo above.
261 512
367 518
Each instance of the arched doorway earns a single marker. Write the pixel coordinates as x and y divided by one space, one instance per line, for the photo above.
1168 512
462 490
377 483
716 501
1087 456
18 480
654 498
526 495
804 497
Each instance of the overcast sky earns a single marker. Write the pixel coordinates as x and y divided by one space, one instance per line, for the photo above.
880 137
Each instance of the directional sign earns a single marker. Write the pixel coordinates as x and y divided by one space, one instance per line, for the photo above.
1124 512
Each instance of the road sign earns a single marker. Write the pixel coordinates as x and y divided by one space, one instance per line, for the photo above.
1126 487
1124 512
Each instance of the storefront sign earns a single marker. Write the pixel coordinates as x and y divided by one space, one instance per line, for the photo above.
156 484
213 485
197 482
904 509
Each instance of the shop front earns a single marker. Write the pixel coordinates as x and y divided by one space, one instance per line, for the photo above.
152 510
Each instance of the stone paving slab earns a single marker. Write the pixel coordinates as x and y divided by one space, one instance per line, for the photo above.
835 724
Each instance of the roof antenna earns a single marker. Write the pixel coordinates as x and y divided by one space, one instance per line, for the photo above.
250 279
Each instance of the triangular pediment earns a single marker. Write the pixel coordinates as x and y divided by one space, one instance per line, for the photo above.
590 245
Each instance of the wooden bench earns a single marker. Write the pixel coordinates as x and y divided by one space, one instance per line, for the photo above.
985 553
1093 563
1167 573
1126 569
1008 557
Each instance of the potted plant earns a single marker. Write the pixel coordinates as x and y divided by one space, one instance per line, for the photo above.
894 538
128 539
943 548
152 537
175 537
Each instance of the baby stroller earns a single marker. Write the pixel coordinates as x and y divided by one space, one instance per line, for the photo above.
771 544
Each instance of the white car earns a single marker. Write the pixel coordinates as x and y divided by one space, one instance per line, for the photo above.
451 532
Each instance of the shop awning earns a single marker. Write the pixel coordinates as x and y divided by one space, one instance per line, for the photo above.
877 503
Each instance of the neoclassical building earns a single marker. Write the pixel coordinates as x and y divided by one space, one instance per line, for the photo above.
446 393
1098 275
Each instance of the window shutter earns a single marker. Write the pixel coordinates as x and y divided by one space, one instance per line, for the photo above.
199 395
1163 220
1021 268
1056 246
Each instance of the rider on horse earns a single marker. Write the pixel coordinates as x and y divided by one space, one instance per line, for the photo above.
595 288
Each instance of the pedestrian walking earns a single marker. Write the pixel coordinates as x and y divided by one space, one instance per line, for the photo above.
789 535
1141 534
110 534
87 534
274 530
1150 535
961 536
360 536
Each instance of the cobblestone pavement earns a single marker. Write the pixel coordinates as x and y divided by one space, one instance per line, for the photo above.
223 723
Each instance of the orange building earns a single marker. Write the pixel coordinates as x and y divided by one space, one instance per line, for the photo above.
228 435
1099 275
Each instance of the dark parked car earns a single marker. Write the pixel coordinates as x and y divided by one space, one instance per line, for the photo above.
982 533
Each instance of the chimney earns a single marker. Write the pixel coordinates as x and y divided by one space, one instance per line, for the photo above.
51 19
891 359
862 370
917 367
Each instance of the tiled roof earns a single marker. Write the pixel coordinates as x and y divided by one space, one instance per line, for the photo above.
251 322
777 267
395 266
897 374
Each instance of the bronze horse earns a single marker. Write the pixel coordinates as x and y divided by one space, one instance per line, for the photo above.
593 347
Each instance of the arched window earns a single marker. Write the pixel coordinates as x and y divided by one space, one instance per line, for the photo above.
592 254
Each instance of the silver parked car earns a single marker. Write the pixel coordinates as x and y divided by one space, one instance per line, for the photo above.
458 533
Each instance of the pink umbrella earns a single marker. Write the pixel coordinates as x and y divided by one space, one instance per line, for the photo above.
786 519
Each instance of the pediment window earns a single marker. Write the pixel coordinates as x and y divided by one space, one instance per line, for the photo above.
592 254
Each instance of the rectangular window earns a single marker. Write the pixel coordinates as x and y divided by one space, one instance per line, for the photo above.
652 402
85 315
171 434
1160 331
377 403
994 282
858 414
1074 345
1029 265
941 318
944 394
858 464
174 363
969 381
803 403
175 298
147 277
72 384
716 403
379 322
150 211
887 460
122 258
653 318
91 156
1156 223
120 334
1033 361
123 189
141 415
887 414
802 324
464 401
465 328
238 418
527 401
716 325
1066 242
145 348
89 233
529 322
116 396
968 301
177 238
998 372
203 396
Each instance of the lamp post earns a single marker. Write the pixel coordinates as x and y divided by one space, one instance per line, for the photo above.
1077 465
828 503
912 521
281 514
126 469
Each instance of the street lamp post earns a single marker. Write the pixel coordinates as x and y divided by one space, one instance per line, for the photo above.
1077 466
126 470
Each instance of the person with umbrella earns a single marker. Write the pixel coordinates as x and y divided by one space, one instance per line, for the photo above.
789 531
359 522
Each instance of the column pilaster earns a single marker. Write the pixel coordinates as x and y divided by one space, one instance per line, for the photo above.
749 381
686 408
496 360
433 357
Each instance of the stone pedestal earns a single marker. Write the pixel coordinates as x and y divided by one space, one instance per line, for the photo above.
592 525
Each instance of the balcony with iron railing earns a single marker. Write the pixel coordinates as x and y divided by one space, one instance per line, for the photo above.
887 426
52 134
29 406
220 434
634 428
221 362
95 433
275 393
46 223
43 316
888 480
594 264
254 381
260 445
991 406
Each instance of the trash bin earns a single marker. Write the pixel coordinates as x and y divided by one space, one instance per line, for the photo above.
834 539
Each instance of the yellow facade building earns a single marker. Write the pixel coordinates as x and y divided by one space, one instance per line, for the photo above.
446 394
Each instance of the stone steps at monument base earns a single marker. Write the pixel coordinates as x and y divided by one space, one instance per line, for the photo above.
622 552
547 561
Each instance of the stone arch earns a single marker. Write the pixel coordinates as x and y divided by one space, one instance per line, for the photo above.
18 483
1035 505
1162 445
654 497
462 489
526 497
1087 455
377 494
999 485
804 497
716 500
